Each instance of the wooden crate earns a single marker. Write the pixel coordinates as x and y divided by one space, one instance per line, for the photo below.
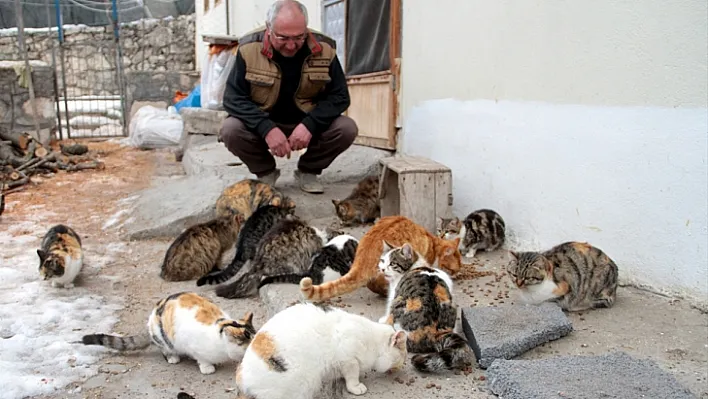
415 187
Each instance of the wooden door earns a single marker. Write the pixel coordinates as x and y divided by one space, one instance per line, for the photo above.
374 96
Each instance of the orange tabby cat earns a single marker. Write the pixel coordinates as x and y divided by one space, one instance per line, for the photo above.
396 230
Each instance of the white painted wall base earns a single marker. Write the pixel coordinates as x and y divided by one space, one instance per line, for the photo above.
631 180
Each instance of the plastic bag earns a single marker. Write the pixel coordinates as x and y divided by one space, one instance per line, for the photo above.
153 127
215 72
193 99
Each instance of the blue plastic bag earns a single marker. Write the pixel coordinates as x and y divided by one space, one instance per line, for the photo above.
193 99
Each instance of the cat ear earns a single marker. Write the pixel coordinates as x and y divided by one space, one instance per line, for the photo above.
41 254
239 218
398 339
386 247
335 202
248 318
407 251
549 266
514 255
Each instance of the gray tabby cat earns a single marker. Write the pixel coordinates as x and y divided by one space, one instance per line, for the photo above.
287 247
575 275
420 303
481 229
329 263
253 229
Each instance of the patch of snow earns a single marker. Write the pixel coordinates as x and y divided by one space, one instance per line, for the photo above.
38 323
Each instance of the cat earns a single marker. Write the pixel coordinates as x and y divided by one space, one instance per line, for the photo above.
420 303
288 247
330 262
254 228
61 256
305 347
198 249
187 324
397 230
482 229
247 195
575 275
362 205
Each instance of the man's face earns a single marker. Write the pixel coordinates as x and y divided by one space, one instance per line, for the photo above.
288 33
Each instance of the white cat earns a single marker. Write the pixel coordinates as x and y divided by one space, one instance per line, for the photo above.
306 347
186 324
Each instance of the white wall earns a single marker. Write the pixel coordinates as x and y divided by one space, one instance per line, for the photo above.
575 120
244 15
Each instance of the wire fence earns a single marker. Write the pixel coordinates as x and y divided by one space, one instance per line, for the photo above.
85 59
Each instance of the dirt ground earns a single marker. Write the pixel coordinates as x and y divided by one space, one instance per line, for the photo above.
666 330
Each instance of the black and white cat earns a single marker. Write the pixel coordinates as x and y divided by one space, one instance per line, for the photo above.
331 262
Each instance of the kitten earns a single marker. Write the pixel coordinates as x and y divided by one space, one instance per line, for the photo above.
397 230
329 263
254 228
198 249
305 347
247 195
61 256
362 205
575 275
420 303
288 247
187 324
481 229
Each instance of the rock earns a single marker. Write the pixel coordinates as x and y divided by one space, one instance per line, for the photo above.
613 376
504 332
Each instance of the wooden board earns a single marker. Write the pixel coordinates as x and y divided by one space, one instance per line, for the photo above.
418 198
372 107
413 164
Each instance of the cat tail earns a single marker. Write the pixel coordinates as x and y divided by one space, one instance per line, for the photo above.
218 277
245 286
363 269
455 355
119 343
290 278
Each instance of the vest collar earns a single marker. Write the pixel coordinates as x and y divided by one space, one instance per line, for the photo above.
312 43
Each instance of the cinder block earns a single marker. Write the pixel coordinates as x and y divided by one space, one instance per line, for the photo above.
505 332
201 120
613 375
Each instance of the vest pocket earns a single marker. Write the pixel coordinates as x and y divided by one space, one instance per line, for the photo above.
313 84
261 86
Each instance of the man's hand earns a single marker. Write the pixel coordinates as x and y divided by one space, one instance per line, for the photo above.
299 138
278 143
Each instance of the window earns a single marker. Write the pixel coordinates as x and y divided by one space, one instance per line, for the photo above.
361 29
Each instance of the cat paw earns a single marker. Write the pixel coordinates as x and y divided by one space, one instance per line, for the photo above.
69 285
383 319
470 253
173 359
207 368
358 389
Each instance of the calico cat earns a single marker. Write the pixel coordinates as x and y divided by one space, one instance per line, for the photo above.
247 195
61 256
251 233
288 247
362 205
305 347
576 275
397 230
420 303
187 324
481 229
198 249
334 259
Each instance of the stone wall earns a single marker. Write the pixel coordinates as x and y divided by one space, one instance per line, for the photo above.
90 52
16 110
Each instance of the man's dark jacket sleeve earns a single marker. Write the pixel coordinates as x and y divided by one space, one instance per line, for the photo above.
237 100
332 104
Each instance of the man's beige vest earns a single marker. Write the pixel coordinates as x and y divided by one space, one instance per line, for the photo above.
264 74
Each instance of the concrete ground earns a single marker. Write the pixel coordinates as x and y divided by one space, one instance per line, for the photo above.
645 325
